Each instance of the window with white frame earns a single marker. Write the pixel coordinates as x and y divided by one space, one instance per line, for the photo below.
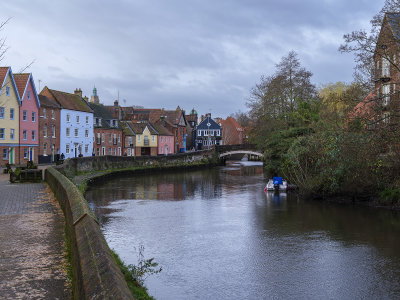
67 148
53 131
2 133
152 138
115 151
25 134
87 120
44 111
109 151
385 67
2 112
86 148
77 119
33 116
5 153
119 151
103 151
24 115
102 137
29 95
11 113
119 138
33 135
68 132
45 149
138 138
8 91
386 94
44 130
129 151
76 132
12 134
52 114
25 153
68 117
87 133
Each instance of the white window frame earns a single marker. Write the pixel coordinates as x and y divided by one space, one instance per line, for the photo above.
24 115
33 117
33 135
76 132
53 131
7 91
2 112
25 134
3 133
78 119
68 118
26 153
67 148
86 133
12 113
45 130
28 95
68 132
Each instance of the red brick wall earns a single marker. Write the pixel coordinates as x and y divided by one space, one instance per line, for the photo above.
46 119
97 147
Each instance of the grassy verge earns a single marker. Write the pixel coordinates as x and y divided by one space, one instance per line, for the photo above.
138 291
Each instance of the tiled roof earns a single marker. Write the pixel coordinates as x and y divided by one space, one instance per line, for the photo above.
213 124
394 21
21 80
126 128
3 73
138 128
69 101
101 111
47 102
161 129
365 109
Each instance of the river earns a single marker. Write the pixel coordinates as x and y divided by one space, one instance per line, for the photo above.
218 235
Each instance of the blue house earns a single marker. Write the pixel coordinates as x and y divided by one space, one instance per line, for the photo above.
76 123
208 133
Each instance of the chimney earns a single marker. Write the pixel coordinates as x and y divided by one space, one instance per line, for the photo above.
116 103
86 98
78 92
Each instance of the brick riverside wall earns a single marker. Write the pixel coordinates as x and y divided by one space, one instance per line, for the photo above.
74 166
96 273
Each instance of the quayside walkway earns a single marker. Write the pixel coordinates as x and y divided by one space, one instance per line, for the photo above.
32 259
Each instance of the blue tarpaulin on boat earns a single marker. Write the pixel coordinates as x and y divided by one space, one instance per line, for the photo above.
277 180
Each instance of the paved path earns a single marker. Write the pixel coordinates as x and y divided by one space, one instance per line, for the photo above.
32 258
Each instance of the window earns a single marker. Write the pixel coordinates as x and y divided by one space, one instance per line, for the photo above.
8 91
119 138
25 153
110 138
162 139
25 134
24 115
45 149
87 120
12 135
119 151
86 148
386 118
76 132
68 117
129 151
161 150
115 151
11 113
77 119
29 95
33 116
5 153
44 113
33 135
385 67
45 130
68 132
87 133
103 151
109 151
138 138
80 149
102 138
1 112
152 138
2 133
67 148
53 131
52 114
386 94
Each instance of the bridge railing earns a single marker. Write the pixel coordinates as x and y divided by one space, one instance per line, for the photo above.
227 148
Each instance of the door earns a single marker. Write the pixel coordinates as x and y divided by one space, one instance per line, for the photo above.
11 156
30 153
166 149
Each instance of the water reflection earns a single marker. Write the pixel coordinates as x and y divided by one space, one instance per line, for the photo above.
218 235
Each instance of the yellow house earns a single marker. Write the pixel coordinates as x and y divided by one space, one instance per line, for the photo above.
146 138
9 117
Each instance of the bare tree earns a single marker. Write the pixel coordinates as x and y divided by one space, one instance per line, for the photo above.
3 45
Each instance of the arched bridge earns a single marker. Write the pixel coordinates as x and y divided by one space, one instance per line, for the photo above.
236 151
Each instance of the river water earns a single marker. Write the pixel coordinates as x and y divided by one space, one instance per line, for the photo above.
218 235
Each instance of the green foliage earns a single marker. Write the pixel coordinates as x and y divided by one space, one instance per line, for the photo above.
144 267
138 290
390 196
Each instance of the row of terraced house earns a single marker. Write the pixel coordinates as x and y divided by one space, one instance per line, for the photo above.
51 125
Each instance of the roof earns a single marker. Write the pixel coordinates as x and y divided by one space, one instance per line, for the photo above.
101 111
69 101
126 129
21 80
138 128
4 71
365 109
394 21
47 102
158 126
208 120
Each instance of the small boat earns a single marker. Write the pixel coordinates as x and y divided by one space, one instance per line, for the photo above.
276 184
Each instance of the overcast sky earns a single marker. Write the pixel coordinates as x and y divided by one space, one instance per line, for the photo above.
164 53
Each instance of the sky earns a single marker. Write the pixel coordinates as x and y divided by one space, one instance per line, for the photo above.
198 54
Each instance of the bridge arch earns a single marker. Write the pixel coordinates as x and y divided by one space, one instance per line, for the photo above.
234 152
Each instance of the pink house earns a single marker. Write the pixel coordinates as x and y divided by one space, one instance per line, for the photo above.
166 139
28 118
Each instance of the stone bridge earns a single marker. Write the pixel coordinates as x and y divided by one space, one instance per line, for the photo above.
237 151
